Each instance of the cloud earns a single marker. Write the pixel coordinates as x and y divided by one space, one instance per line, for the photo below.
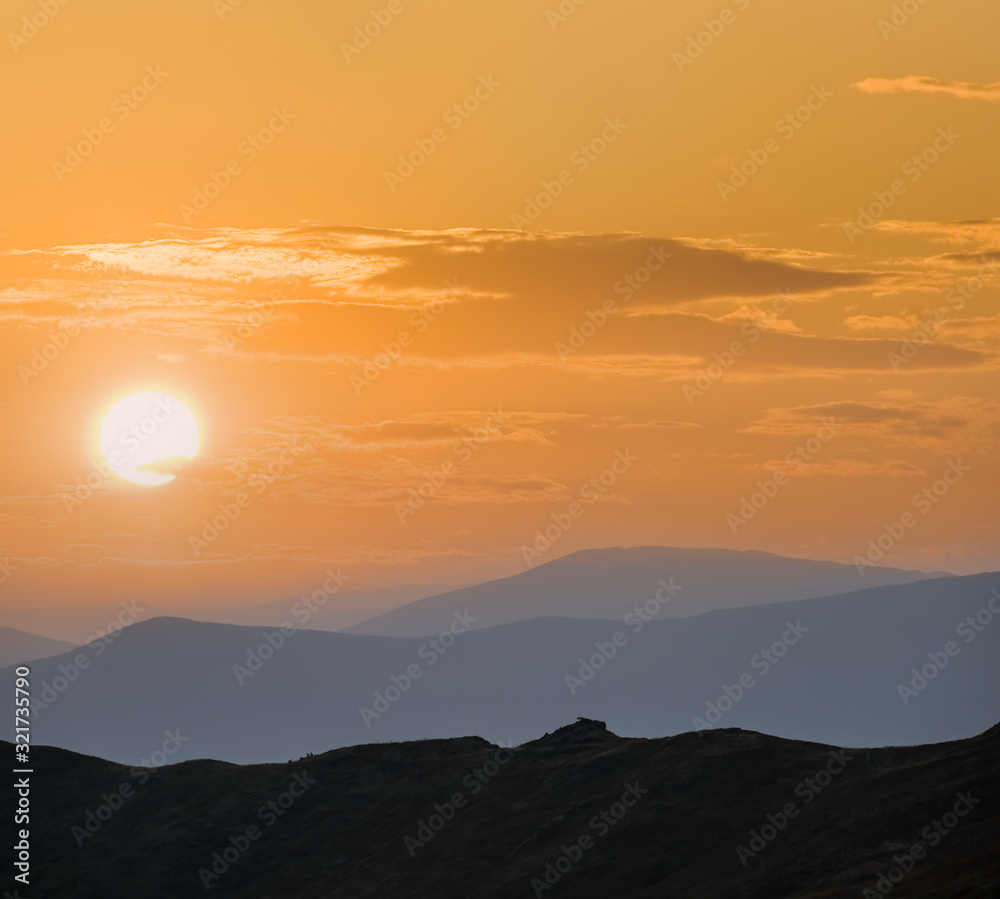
445 428
924 84
357 297
486 489
771 352
982 233
621 423
575 271
361 342
393 268
185 467
980 327
956 424
882 322
848 468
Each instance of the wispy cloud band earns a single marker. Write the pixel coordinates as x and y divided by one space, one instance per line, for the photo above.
965 90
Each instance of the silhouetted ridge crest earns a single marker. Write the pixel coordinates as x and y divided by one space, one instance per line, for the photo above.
665 817
583 731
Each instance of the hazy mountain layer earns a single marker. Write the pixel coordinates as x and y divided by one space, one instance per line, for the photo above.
606 583
19 646
898 664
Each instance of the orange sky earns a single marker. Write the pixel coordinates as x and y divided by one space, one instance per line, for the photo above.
565 268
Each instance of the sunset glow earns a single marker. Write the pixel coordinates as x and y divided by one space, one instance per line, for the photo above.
145 429
475 281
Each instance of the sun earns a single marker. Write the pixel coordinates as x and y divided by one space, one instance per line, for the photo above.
144 432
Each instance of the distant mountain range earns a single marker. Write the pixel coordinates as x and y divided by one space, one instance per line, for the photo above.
842 669
20 646
607 583
347 606
597 583
579 814
330 611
